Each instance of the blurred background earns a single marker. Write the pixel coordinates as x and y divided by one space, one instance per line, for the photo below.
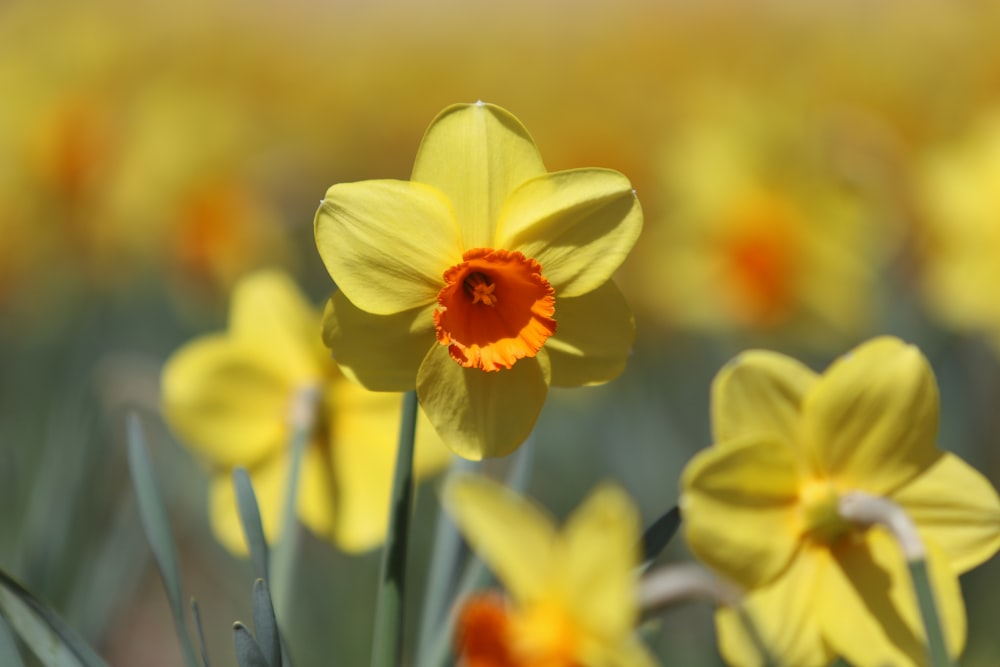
812 174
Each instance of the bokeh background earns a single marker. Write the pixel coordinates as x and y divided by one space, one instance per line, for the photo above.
812 174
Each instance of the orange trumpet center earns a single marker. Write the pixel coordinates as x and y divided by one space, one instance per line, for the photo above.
495 308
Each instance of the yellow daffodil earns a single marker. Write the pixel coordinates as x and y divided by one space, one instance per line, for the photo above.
232 398
959 189
761 506
759 236
572 593
481 281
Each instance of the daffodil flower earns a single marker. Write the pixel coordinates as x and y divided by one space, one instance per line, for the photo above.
481 281
573 595
761 506
233 398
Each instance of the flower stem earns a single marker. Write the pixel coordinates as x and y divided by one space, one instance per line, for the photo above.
871 510
388 638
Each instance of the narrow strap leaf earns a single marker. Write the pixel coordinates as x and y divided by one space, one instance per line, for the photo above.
264 624
53 642
253 529
156 525
658 535
196 615
9 654
248 653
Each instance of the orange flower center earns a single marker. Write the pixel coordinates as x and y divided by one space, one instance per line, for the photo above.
489 634
495 308
762 255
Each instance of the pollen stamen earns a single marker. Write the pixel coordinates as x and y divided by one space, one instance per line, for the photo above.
480 288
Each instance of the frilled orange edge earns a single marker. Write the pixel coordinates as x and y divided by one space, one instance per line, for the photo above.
496 307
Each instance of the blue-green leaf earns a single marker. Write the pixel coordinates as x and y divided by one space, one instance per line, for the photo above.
9 655
265 625
658 535
248 653
246 500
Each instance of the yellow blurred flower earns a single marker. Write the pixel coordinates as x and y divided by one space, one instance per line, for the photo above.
959 190
573 593
761 506
758 236
232 398
455 280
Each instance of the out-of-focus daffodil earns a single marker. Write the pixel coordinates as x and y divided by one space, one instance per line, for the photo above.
959 189
573 600
761 506
757 236
232 398
481 281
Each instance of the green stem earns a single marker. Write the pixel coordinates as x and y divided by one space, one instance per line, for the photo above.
387 649
928 612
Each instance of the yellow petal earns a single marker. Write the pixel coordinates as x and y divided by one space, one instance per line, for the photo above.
268 311
317 497
629 653
387 243
784 616
738 504
868 610
476 154
759 393
578 224
227 402
512 536
380 352
594 335
481 414
872 418
364 447
595 562
956 508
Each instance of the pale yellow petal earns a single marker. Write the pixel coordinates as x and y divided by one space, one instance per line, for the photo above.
476 154
316 503
593 339
578 224
872 418
594 566
956 508
783 616
759 393
481 414
387 244
380 352
868 610
510 534
629 653
739 509
226 402
268 311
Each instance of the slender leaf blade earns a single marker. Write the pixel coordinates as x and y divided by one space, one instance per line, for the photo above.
9 653
248 653
253 529
265 625
196 615
156 525
53 642
658 535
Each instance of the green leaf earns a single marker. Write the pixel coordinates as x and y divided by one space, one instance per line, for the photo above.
196 614
9 655
50 639
936 649
388 637
156 525
248 653
265 625
246 500
658 536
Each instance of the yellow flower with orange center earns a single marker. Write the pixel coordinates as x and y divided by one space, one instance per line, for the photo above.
481 281
573 595
763 507
233 398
